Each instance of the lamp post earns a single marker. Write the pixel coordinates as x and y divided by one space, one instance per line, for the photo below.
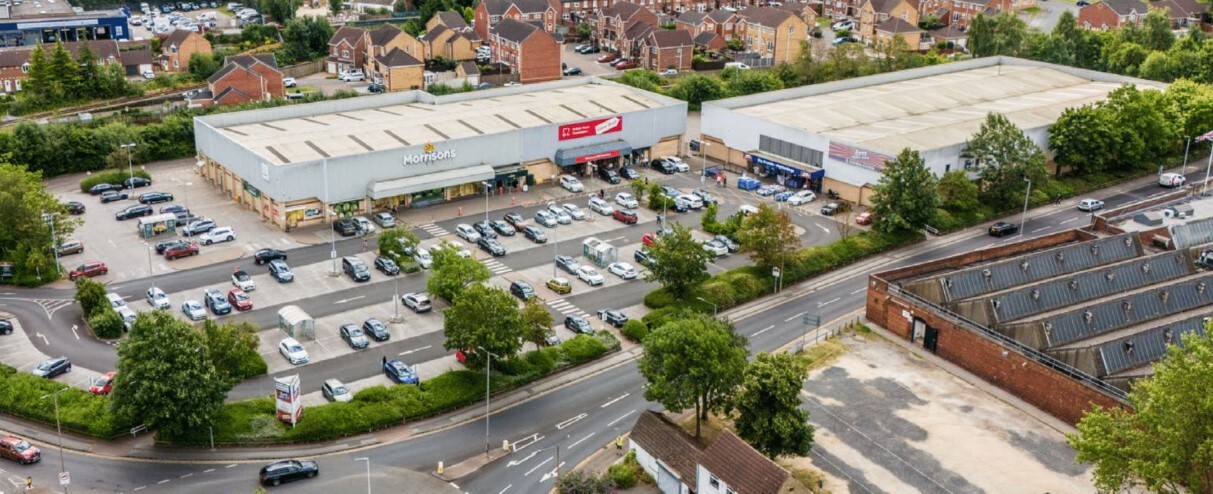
703 153
1024 215
50 218
710 303
368 472
396 299
59 428
332 232
149 263
1187 145
488 370
486 203
130 167
557 448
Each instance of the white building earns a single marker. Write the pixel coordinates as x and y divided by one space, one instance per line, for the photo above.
678 462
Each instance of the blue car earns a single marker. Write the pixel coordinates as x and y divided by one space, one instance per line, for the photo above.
400 373
783 196
216 302
193 310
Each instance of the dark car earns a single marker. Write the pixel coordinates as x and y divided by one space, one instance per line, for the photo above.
216 302
53 367
663 166
88 270
155 197
609 175
377 330
534 234
515 220
492 246
387 266
572 71
198 227
627 217
281 272
568 264
833 208
375 88
74 208
353 336
113 195
643 257
184 218
179 250
174 208
99 188
136 182
6 327
134 211
522 290
505 229
346 227
613 317
628 173
400 373
728 243
288 471
484 229
1002 229
578 324
266 255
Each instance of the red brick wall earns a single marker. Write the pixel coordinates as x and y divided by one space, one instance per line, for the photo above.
481 21
986 255
540 59
273 81
242 80
1098 16
668 57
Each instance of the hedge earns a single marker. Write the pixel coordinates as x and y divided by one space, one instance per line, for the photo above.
21 395
107 324
635 330
252 421
110 177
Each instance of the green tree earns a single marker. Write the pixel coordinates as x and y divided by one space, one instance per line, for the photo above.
1005 156
1193 104
536 321
38 77
203 65
280 10
1147 125
112 83
306 38
768 236
25 237
680 261
166 379
452 274
747 82
769 415
957 193
1165 443
1003 34
693 362
788 74
467 324
397 243
88 80
64 73
232 348
641 78
583 30
1156 30
906 196
638 189
335 6
695 89
91 296
1085 139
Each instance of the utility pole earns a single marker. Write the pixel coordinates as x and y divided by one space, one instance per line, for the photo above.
130 167
59 428
488 370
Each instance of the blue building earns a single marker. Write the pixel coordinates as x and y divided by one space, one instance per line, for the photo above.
28 22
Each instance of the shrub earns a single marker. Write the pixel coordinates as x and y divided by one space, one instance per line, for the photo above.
622 476
582 348
635 330
409 266
107 324
21 396
91 296
251 365
658 318
110 177
582 482
659 298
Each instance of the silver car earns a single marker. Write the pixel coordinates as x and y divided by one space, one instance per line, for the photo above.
418 302
193 310
466 232
622 270
574 211
157 299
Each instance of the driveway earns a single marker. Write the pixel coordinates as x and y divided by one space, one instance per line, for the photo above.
1045 19
588 63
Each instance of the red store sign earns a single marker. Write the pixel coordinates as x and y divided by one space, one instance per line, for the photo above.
591 128
598 156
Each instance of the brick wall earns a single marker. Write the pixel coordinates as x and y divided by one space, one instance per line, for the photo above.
539 60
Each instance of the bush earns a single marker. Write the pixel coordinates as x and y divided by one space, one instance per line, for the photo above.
659 298
582 482
110 177
79 411
251 365
91 296
582 348
409 266
658 318
107 324
635 330
622 475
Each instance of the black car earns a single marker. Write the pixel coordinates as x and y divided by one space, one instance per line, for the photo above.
169 244
572 71
376 88
387 266
53 367
728 243
492 246
288 471
613 317
484 229
174 208
376 330
353 336
642 256
609 175
515 220
281 271
522 290
534 235
112 195
155 197
568 264
133 212
136 182
628 173
1002 229
99 188
504 228
346 227
834 208
266 255
663 166
184 218
578 324
6 327
74 208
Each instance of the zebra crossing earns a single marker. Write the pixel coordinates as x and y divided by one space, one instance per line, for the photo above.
564 307
54 304
434 230
496 267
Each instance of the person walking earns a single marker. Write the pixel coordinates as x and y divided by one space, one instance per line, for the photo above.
29 483
619 443
385 360
366 243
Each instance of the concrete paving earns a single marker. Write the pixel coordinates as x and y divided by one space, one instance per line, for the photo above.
18 352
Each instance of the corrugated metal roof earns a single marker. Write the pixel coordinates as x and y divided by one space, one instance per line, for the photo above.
1111 315
1147 346
1192 233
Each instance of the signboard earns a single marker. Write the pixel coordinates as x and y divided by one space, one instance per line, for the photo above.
598 156
590 128
774 165
287 400
65 478
862 158
250 189
429 154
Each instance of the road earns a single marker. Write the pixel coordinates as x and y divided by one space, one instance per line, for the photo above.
580 417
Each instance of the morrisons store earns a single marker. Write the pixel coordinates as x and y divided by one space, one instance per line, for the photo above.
363 155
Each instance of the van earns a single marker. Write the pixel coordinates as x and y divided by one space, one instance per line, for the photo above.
355 268
352 75
736 65
115 300
1171 180
128 316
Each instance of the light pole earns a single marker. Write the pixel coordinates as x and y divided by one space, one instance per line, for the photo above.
486 203
703 153
1187 145
50 218
713 305
778 278
557 448
488 370
368 473
332 231
396 299
59 428
1024 215
149 263
130 167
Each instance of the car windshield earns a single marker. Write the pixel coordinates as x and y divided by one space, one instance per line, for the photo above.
294 348
242 276
241 296
340 390
355 332
21 446
44 366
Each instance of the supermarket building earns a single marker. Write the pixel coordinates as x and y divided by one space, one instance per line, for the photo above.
413 149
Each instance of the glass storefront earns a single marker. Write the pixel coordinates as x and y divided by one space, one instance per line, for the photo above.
427 198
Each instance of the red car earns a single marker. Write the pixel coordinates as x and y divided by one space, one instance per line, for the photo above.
648 238
180 250
239 299
627 217
625 65
89 270
19 450
865 218
607 58
104 385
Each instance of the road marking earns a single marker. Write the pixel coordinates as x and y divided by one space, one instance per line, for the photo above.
571 421
406 352
827 302
165 481
137 489
859 290
230 466
582 439
1067 221
342 301
74 332
1041 229
551 474
762 331
793 317
536 467
44 340
612 402
209 470
519 462
506 489
827 230
187 475
621 417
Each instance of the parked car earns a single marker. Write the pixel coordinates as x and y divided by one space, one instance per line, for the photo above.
157 299
627 217
418 302
221 234
133 211
288 470
843 25
573 211
545 218
663 166
728 243
334 390
355 269
173 208
88 270
69 247
865 218
385 219
608 58
100 387
353 336
560 285
198 226
242 280
216 302
643 257
600 206
386 266
1090 205
113 196
6 326
567 264
102 188
376 330
843 39
466 232
578 324
155 197
503 228
571 183
352 75
704 196
74 208
19 450
484 229
400 373
715 247
193 310
136 182
801 197
346 227
240 300
515 220
590 275
629 173
572 71
679 165
53 367
626 200
293 351
622 270
492 246
424 258
625 65
179 250
522 290
281 272
1002 229
834 208
534 235
613 317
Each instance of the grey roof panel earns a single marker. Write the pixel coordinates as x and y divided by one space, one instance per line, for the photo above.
1043 265
1192 233
1147 346
1111 315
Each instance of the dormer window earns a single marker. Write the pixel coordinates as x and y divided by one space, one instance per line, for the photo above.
172 48
25 68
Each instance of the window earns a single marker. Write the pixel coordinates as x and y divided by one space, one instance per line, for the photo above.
176 64
794 152
334 51
728 25
947 168
345 54
564 16
173 48
715 483
495 19
25 68
730 490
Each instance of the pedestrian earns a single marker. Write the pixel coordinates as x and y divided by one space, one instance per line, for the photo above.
619 443
385 360
1057 199
29 483
602 193
726 181
366 243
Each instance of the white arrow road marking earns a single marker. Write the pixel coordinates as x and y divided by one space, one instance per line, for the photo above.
551 474
827 302
571 421
763 330
612 402
536 467
44 340
582 439
74 332
519 462
621 417
427 347
344 300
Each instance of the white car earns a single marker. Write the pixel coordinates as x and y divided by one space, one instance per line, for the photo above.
1090 205
716 247
622 270
679 165
691 200
423 258
289 82
845 24
600 206
546 218
590 275
571 183
157 299
147 74
364 224
466 232
243 281
293 351
574 211
385 220
128 316
221 234
352 75
802 197
669 72
626 200
1171 180
561 215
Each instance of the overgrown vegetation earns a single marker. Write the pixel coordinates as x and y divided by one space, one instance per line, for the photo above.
22 395
60 78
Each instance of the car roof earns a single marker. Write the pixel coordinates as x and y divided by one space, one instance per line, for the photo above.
333 383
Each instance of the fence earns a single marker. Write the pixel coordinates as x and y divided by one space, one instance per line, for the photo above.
754 59
817 334
303 69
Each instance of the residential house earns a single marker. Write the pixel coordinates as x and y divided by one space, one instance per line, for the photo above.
628 43
837 10
613 23
680 465
469 72
667 49
179 46
962 12
573 12
490 12
362 6
950 34
727 23
1111 14
243 78
895 27
14 61
665 452
526 49
450 44
710 42
399 71
877 12
774 35
347 50
383 40
138 61
1183 13
695 22
448 19
730 466
804 11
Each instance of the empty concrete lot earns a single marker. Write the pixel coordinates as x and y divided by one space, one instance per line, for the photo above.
889 421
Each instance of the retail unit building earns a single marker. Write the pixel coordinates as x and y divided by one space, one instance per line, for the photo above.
34 22
838 135
413 149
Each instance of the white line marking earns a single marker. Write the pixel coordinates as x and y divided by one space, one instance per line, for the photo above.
793 317
762 331
519 462
187 475
209 470
165 481
342 301
416 350
44 340
859 291
506 489
74 332
1067 221
621 417
137 489
536 467
827 230
827 302
230 466
612 402
551 474
582 439
1041 229
571 421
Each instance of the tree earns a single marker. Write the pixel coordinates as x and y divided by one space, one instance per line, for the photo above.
536 322
638 189
64 74
306 38
335 6
1164 444
280 10
25 237
906 196
451 274
38 78
768 236
695 89
397 243
166 379
696 361
769 415
1004 156
203 65
746 82
1003 34
1147 125
583 30
1156 30
641 78
680 262
232 347
91 296
88 81
1085 139
483 317
957 193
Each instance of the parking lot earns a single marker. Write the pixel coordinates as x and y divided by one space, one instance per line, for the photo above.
223 21
588 63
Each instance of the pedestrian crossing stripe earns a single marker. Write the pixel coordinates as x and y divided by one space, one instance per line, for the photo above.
434 230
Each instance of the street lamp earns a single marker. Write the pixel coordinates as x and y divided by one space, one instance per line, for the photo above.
488 370
710 303
486 202
778 278
368 473
332 231
703 153
59 428
396 300
1024 216
50 218
149 263
130 167
1187 145
557 448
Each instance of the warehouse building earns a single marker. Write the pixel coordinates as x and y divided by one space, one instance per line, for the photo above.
413 149
31 22
838 135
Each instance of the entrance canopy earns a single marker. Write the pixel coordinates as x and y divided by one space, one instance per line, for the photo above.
786 166
420 183
594 152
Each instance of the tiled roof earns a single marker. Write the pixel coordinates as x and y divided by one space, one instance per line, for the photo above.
398 58
722 16
1124 7
515 31
351 35
231 90
247 61
499 7
948 32
765 16
223 72
896 25
469 68
624 10
691 17
435 33
14 57
1180 9
451 19
741 467
706 38
177 37
665 38
102 51
137 57
384 34
636 30
666 442
883 6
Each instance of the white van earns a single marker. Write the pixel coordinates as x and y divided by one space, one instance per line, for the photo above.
737 65
116 301
1171 180
352 75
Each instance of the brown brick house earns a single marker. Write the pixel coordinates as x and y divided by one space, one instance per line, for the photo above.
347 50
14 62
895 27
490 12
242 79
710 41
962 12
1110 14
450 44
383 40
613 23
877 12
526 49
1183 13
665 49
178 47
400 71
772 33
